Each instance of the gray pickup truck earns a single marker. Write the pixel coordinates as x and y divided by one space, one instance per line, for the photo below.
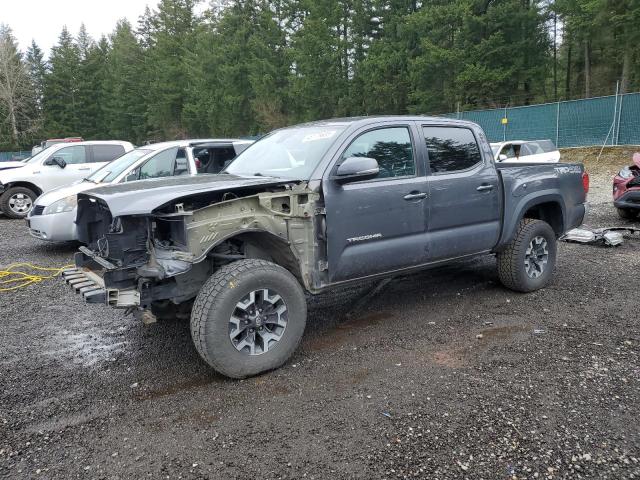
313 207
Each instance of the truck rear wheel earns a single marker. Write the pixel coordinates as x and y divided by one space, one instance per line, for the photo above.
17 202
248 318
528 261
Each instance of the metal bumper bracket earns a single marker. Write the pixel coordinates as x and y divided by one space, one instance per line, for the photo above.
88 284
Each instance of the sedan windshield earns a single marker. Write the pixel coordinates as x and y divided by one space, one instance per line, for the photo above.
289 153
111 170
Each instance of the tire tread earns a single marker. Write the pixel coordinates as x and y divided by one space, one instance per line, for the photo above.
205 300
508 259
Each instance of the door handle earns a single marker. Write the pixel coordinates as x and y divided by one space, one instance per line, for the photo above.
483 188
84 169
415 196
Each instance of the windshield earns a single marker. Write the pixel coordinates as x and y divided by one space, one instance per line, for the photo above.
290 153
111 170
39 156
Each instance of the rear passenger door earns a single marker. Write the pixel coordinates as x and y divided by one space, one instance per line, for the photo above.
378 225
465 205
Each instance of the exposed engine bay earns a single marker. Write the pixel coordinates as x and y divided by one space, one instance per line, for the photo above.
168 253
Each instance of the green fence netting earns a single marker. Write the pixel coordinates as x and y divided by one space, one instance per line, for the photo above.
614 120
7 156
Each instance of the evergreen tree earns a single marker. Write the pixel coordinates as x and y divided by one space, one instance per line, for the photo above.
124 104
17 94
317 52
171 40
37 68
90 85
61 88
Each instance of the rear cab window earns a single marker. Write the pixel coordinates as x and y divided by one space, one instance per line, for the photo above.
451 149
106 153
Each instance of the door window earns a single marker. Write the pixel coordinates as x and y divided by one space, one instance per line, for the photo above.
106 153
451 149
72 155
167 163
531 148
509 151
391 147
213 159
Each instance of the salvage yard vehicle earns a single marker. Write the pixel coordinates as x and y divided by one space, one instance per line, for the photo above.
58 165
626 190
53 215
313 207
531 151
53 141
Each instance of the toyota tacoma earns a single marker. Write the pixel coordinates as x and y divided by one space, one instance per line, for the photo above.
313 207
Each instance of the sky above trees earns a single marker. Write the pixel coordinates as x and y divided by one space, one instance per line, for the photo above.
42 20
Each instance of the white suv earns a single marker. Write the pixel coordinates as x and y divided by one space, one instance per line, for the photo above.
58 165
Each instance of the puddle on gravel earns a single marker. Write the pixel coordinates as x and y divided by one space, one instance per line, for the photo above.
176 388
502 333
343 332
85 349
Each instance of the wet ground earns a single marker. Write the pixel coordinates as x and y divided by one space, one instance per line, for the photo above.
443 374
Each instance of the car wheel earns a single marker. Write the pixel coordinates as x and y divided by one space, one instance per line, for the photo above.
627 213
248 318
17 202
528 261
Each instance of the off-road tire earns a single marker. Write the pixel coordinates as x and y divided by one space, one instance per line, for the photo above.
216 302
627 213
6 196
511 261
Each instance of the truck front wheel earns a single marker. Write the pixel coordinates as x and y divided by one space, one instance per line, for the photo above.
248 318
528 261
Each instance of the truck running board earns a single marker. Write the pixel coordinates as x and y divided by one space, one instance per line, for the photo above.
89 285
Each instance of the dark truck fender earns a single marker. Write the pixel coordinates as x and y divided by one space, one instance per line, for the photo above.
550 192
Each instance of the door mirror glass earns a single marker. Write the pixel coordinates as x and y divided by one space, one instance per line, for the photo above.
56 161
357 168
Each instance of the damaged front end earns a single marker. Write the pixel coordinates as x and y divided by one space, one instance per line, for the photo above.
165 256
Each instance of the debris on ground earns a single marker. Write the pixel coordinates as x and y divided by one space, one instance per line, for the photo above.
611 236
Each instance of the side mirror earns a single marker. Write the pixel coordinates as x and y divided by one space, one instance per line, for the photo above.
502 157
56 161
356 168
132 176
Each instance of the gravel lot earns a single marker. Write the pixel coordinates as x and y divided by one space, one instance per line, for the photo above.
401 388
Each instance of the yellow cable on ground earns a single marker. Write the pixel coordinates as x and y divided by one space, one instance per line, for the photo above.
9 276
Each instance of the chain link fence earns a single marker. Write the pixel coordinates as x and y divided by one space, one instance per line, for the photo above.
608 120
9 156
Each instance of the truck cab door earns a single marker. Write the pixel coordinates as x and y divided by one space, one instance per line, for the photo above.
77 167
378 225
465 192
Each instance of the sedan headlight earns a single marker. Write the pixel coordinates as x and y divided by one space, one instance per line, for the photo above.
625 173
65 205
